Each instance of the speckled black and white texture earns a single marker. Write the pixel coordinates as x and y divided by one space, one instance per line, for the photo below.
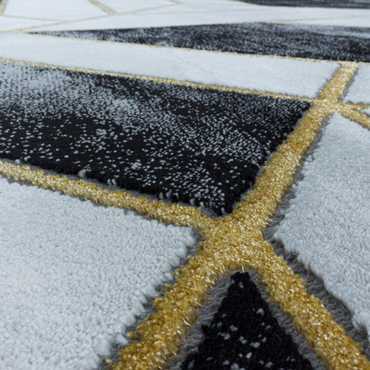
318 42
359 4
244 334
197 146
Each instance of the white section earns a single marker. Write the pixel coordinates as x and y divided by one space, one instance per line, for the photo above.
153 19
359 91
135 5
211 12
274 74
341 21
10 23
54 9
73 275
200 6
367 111
327 222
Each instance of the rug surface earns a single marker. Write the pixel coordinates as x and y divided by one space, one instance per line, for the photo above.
184 185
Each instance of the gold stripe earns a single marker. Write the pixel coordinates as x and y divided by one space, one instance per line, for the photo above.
159 80
29 18
57 23
356 116
3 5
236 243
103 7
166 212
279 173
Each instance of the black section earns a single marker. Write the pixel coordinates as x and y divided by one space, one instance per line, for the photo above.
332 43
243 334
192 145
360 4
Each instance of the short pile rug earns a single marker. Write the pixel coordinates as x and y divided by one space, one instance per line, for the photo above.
184 185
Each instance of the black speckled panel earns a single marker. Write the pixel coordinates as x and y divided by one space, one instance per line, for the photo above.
318 42
244 335
196 146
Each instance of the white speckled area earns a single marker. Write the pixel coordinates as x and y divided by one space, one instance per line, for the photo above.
73 276
256 72
359 91
327 223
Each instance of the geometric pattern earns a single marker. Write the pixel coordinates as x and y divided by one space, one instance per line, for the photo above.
334 241
200 147
242 228
244 334
234 242
221 71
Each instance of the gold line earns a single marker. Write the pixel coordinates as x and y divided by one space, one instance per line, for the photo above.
73 21
57 23
166 212
103 7
356 116
357 106
29 18
236 242
276 181
229 243
3 5
159 80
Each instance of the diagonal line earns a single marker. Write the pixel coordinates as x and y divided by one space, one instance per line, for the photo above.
236 243
156 46
29 18
103 7
166 212
356 116
229 243
73 21
160 80
279 173
3 5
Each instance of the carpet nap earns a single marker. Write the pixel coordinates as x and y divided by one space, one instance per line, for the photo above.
330 43
73 276
196 146
244 335
326 223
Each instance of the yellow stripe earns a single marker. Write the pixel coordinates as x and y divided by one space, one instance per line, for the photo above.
236 243
158 80
356 115
231 243
103 7
3 5
166 212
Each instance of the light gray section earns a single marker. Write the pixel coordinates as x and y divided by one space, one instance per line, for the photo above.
75 276
327 223
359 91
275 74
